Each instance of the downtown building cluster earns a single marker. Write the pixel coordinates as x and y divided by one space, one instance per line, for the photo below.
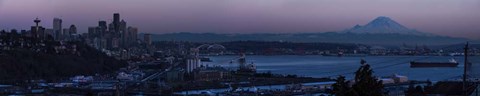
114 35
114 38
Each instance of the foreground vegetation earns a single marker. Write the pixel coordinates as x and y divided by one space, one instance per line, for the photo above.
25 58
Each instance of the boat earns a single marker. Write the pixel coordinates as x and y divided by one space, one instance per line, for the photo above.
450 63
205 59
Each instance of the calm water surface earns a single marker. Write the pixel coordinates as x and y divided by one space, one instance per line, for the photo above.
331 66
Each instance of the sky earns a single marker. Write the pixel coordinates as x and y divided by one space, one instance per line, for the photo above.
456 18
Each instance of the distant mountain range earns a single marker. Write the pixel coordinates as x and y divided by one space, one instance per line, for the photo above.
380 31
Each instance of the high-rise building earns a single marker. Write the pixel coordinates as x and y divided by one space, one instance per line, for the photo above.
73 29
116 17
133 31
147 39
66 34
111 28
92 32
116 22
57 28
49 33
102 28
124 34
102 24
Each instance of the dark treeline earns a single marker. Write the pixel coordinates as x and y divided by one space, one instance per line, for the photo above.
25 58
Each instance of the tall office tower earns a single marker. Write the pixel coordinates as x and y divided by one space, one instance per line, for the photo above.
66 34
116 17
116 22
102 28
111 28
133 35
92 32
73 29
124 34
123 25
147 39
102 23
57 28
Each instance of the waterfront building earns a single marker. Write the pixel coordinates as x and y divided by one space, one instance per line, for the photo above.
192 64
175 75
207 73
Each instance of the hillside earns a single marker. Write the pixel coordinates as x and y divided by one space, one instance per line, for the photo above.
29 58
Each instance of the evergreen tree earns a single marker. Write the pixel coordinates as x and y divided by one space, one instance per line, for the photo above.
342 87
366 84
415 91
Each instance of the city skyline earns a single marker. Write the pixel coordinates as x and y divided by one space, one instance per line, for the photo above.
450 18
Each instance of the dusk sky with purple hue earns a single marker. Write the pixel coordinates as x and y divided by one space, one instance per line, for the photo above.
457 18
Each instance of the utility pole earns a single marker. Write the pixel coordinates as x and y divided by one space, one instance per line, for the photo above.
465 70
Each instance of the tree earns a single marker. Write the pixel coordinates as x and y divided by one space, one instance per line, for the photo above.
415 91
366 84
342 87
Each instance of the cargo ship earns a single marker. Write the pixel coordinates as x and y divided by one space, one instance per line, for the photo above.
450 63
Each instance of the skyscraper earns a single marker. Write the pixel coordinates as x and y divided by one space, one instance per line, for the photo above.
102 23
133 31
73 29
124 34
57 28
116 22
65 34
102 28
116 17
92 32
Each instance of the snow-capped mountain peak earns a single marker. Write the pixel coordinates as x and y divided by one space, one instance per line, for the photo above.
384 24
